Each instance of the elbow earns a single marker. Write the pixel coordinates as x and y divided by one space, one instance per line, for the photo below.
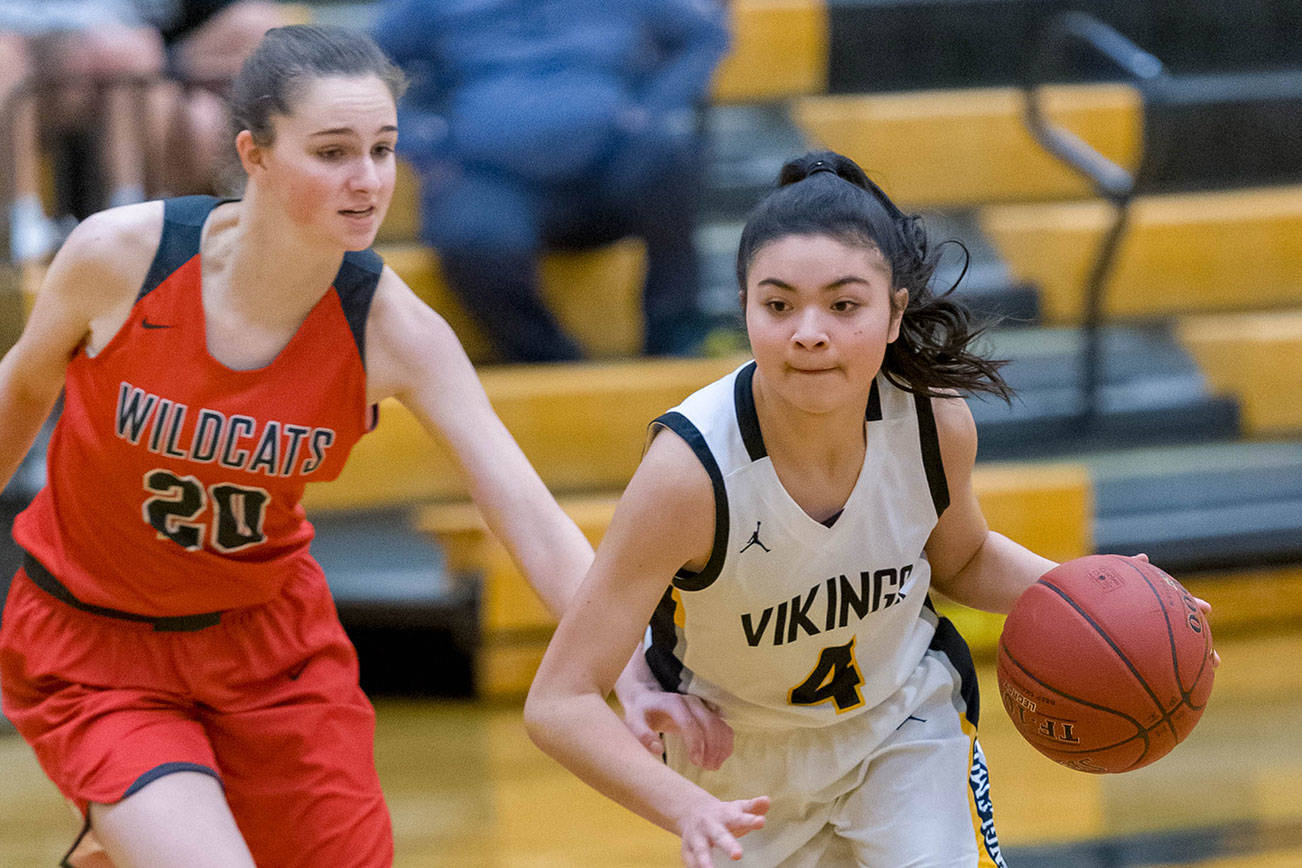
537 707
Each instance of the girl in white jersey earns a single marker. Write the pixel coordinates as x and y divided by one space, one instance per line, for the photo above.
784 527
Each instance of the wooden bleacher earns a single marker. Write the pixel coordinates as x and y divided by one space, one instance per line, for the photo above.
1183 253
964 147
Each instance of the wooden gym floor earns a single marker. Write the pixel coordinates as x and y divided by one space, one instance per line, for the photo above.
466 788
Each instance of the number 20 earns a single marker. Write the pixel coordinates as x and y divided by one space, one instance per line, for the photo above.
178 500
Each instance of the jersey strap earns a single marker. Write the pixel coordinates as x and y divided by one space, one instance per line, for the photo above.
748 420
682 426
183 219
355 283
930 442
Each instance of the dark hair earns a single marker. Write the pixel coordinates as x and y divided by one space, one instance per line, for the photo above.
824 193
272 77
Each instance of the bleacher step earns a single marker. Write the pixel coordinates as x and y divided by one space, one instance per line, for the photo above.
1182 253
971 146
1257 357
1201 507
1151 392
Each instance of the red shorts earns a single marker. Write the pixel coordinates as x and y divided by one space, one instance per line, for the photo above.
267 701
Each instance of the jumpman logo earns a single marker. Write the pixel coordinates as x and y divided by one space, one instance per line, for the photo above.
754 540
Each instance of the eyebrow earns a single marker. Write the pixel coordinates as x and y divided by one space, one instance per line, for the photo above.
338 131
836 284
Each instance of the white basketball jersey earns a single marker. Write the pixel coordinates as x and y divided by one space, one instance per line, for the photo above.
792 622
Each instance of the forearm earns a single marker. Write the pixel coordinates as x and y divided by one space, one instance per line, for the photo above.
582 733
22 413
996 575
544 543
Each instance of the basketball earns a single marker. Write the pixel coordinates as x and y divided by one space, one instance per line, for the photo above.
1105 664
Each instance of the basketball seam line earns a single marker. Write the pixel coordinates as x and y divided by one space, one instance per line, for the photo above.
1184 694
1120 654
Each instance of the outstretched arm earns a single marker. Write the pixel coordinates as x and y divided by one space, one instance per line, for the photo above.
664 521
412 354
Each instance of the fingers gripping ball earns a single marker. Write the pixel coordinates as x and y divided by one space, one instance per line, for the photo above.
1105 664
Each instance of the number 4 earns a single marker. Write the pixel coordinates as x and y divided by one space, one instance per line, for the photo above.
836 679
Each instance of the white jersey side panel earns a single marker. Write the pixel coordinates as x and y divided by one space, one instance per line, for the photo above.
793 623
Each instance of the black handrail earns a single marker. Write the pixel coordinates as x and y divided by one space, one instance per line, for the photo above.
1111 181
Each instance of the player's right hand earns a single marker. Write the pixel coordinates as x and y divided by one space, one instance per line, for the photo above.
720 824
707 736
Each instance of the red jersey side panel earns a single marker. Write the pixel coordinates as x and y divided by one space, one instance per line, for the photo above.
175 481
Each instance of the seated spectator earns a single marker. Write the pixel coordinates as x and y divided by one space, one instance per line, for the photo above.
555 124
85 55
206 41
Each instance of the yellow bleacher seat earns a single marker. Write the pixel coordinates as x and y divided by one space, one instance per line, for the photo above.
1257 357
1182 252
779 49
970 146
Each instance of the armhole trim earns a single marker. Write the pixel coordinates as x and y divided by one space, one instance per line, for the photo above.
183 219
680 425
930 443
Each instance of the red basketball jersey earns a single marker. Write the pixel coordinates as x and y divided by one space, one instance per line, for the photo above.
174 482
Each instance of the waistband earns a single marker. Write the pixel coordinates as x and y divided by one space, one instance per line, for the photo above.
45 580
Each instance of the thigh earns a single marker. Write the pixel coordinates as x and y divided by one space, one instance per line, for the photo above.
915 805
295 738
466 211
179 819
796 829
96 698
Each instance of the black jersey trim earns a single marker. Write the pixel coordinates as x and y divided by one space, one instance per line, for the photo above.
743 392
76 842
930 442
747 419
183 219
667 669
358 276
874 411
682 426
168 769
948 641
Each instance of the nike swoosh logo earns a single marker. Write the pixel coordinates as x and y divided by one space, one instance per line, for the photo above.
153 325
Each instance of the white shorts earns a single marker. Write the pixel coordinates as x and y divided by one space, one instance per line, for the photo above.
902 785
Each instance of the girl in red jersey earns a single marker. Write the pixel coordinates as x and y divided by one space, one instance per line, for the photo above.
169 649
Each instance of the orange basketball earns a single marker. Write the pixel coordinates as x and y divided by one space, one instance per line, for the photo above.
1105 664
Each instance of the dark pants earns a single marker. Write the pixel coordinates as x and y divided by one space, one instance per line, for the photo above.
490 228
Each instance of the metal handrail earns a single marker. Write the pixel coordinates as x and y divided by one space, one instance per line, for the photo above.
1111 181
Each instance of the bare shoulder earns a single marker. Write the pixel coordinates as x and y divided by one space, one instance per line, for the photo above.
672 474
397 311
672 494
108 254
125 238
93 281
405 339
